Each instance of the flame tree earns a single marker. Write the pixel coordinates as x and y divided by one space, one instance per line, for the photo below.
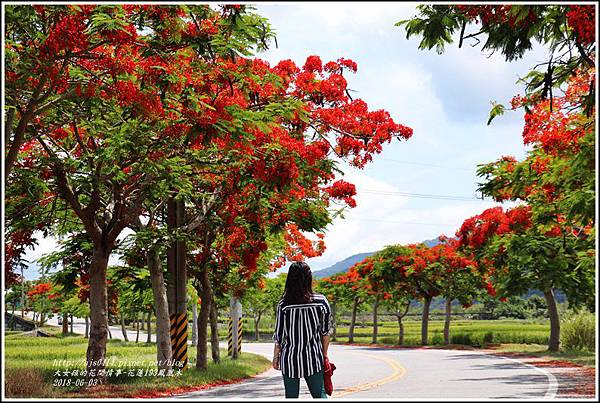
548 242
557 181
114 105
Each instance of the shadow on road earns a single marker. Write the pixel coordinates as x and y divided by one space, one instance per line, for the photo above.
504 364
269 387
528 395
511 379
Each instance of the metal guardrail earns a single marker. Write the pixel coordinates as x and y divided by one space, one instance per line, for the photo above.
14 322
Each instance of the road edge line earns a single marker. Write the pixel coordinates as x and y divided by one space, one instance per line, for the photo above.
551 390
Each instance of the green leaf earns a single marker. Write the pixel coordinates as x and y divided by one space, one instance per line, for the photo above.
497 110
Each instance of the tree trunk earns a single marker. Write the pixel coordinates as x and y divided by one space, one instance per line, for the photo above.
203 318
554 342
214 332
149 327
18 139
425 321
65 323
353 321
137 327
447 320
163 323
109 332
334 321
401 316
256 327
123 329
375 325
87 327
72 322
400 330
194 323
96 351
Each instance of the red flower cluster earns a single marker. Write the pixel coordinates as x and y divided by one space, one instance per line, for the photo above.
344 191
490 289
313 64
121 35
555 124
41 289
298 246
496 15
68 34
582 19
477 230
552 129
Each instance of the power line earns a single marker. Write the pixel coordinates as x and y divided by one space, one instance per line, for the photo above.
420 195
426 164
402 222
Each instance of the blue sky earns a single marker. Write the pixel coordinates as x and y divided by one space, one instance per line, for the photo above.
444 98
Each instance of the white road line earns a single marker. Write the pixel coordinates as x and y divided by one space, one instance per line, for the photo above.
552 381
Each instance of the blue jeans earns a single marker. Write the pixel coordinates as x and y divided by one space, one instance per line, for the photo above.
315 382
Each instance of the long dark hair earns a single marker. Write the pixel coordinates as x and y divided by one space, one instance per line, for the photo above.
298 284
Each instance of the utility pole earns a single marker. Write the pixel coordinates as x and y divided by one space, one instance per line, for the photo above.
176 285
235 327
22 293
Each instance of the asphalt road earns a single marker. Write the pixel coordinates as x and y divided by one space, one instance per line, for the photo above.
374 373
381 373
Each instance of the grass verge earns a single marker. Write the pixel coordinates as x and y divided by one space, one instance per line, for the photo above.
30 369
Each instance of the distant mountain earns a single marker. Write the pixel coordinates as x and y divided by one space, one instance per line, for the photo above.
431 242
439 302
558 294
344 265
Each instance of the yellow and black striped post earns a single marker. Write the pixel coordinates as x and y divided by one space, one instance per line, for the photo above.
177 284
179 335
230 337
239 338
235 317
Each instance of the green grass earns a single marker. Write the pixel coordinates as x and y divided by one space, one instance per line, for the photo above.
30 370
466 332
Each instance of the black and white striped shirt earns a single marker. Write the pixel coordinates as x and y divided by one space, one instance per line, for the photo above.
298 331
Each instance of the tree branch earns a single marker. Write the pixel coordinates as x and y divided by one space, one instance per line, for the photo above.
206 206
584 55
67 193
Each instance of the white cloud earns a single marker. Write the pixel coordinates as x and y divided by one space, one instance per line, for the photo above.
386 220
44 246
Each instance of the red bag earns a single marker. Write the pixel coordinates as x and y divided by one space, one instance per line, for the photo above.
329 368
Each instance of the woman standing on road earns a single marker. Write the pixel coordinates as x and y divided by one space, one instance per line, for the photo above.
301 333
